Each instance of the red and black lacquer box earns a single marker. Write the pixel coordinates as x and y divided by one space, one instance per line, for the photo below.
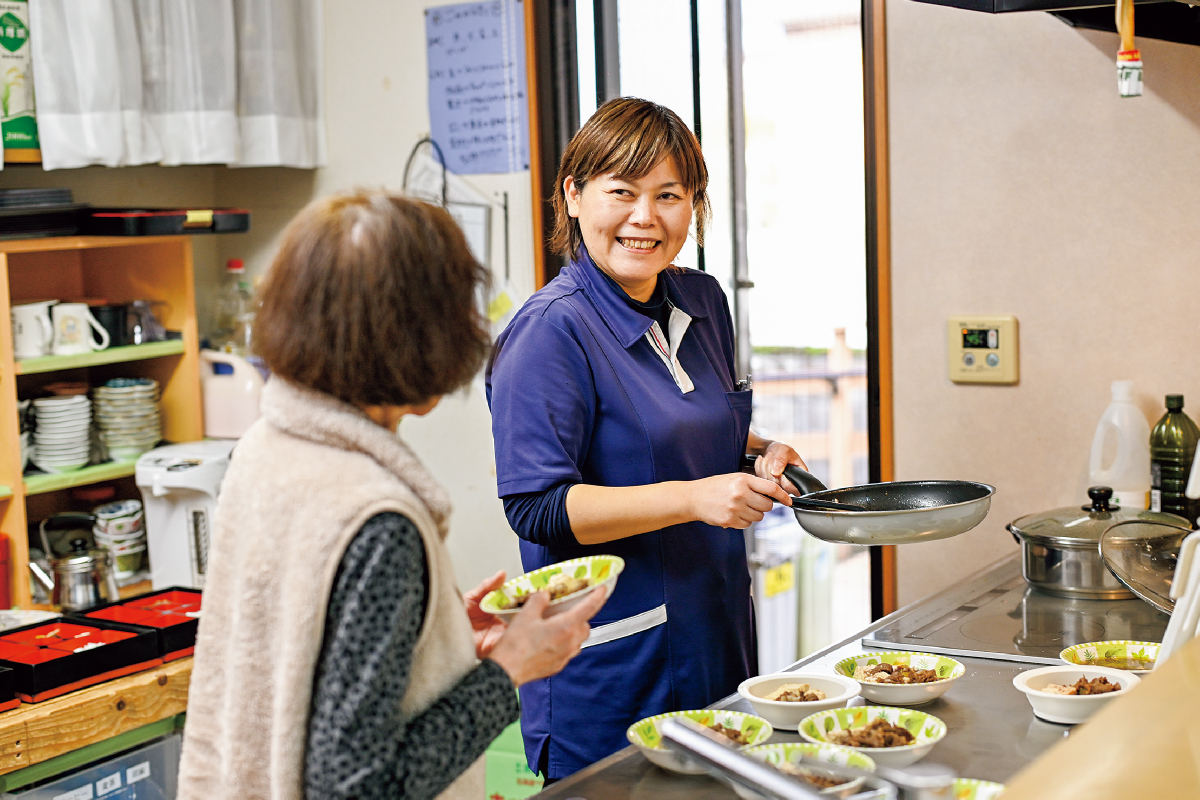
8 697
52 658
173 613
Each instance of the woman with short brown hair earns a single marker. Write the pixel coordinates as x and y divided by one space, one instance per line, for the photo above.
335 657
620 427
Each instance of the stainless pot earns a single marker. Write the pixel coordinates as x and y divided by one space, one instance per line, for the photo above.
1060 549
82 579
82 576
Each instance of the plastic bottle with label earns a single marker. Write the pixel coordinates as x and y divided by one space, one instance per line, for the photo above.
1172 450
234 312
1123 436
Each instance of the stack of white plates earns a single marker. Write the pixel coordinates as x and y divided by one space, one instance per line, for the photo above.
62 439
128 417
24 418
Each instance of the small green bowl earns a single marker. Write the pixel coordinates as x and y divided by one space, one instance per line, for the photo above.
781 752
645 736
1136 657
903 694
600 570
926 728
971 789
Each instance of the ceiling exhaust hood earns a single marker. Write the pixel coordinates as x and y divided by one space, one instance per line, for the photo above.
1169 21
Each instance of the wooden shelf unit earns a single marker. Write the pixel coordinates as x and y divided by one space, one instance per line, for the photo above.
120 270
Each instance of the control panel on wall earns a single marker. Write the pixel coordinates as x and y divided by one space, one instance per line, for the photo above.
983 350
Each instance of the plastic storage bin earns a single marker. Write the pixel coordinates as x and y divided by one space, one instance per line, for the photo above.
148 772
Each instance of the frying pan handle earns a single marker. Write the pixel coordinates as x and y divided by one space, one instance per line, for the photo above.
806 482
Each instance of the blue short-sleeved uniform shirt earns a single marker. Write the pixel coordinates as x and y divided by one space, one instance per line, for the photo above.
579 395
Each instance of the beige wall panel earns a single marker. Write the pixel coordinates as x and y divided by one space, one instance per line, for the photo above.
1022 184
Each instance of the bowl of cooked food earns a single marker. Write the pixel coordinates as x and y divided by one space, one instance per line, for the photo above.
741 728
795 759
893 737
785 698
1069 695
901 678
568 582
972 789
1137 657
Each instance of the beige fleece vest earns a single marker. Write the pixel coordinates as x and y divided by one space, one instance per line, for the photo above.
301 483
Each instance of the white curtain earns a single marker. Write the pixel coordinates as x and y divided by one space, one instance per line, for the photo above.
123 82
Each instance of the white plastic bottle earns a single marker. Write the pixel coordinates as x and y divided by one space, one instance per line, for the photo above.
1128 473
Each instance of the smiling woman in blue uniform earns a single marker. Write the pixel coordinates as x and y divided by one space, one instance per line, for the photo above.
620 426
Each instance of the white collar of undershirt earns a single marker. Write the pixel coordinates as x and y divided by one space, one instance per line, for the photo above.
668 348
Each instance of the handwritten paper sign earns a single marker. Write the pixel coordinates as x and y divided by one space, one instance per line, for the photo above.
478 109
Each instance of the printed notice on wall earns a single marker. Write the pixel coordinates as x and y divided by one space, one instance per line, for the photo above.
478 109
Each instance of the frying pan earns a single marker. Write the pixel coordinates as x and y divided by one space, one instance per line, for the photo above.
898 512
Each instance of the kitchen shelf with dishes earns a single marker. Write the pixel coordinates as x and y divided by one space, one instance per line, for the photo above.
129 393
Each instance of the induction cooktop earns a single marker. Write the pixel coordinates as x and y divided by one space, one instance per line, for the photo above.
999 616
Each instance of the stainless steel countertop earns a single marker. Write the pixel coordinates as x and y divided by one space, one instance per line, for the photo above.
992 730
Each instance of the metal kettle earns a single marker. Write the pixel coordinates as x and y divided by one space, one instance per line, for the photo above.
83 576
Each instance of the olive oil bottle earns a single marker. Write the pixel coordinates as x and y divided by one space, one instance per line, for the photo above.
1172 448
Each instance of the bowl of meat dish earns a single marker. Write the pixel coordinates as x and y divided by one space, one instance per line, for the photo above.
740 728
1137 657
785 698
973 789
795 759
1071 694
901 678
568 582
892 737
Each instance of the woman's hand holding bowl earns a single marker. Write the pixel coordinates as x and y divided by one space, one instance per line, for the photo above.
535 646
487 628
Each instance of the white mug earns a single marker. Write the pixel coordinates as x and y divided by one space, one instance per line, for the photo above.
32 332
73 326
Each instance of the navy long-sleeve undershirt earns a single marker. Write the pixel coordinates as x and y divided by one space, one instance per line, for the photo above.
541 517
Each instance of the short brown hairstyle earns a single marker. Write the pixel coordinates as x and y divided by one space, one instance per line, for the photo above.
372 299
628 137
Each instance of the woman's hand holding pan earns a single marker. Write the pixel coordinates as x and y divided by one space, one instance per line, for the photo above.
536 646
735 500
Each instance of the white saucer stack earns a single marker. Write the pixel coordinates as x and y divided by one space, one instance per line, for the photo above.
127 416
62 439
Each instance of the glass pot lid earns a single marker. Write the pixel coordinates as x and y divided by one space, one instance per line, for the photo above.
1082 526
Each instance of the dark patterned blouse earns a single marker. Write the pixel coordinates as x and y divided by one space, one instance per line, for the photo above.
359 744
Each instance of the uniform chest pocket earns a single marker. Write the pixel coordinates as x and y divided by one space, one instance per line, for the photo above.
742 406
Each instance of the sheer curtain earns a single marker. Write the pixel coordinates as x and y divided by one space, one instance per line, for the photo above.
123 82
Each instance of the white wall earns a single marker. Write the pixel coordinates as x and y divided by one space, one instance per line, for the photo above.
376 110
1022 184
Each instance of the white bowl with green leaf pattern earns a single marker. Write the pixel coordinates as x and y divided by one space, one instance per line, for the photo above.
927 729
792 752
646 735
903 694
599 570
1137 657
972 789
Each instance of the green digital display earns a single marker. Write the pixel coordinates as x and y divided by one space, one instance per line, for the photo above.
981 338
